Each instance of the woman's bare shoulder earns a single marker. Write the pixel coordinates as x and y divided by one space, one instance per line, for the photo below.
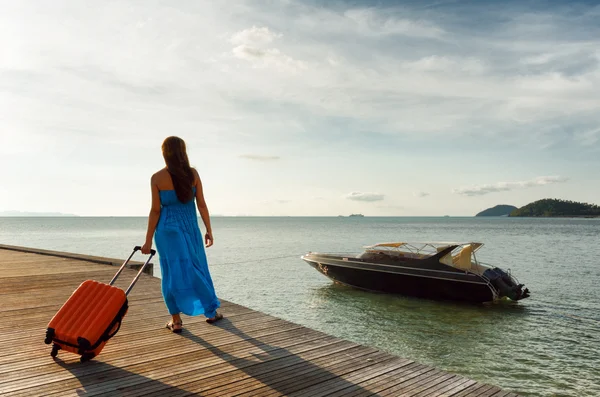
161 178
196 175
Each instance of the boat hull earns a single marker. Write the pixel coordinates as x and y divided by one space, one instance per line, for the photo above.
452 286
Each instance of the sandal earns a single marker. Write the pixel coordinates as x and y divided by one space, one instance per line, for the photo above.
171 325
214 319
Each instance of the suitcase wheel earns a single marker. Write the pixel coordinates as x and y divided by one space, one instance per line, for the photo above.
55 349
86 357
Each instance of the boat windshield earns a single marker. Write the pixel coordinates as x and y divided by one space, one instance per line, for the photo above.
461 257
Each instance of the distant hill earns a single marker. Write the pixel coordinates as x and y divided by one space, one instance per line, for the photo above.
499 210
557 208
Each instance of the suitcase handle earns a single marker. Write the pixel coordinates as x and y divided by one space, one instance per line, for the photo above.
136 248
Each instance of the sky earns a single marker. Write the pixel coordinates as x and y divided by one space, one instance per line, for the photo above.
300 108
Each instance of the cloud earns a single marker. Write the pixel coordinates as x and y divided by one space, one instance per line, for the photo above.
360 196
267 57
420 194
446 64
508 186
250 46
258 157
588 137
371 21
254 36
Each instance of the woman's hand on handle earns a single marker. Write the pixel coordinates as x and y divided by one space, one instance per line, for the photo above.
146 248
208 239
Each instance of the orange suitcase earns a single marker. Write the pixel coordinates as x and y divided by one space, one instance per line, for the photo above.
91 316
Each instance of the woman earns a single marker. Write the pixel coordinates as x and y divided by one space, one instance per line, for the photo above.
187 286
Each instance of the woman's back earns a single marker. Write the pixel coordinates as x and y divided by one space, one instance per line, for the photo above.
169 198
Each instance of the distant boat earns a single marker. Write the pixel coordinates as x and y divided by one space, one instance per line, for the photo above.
356 216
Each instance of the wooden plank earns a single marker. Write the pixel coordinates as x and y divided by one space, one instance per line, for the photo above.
130 337
99 378
426 385
247 354
473 391
31 253
231 368
501 393
493 390
377 384
137 316
249 377
358 386
134 350
448 387
302 371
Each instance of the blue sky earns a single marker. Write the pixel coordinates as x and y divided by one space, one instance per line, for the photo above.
301 108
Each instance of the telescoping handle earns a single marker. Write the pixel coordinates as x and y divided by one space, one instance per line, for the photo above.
136 248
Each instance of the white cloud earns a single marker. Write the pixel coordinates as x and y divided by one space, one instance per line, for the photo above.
447 64
254 36
267 57
251 46
361 196
588 137
420 194
371 21
247 52
508 186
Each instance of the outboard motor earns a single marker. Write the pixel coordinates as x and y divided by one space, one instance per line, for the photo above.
505 284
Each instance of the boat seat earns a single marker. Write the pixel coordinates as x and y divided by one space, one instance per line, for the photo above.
462 260
446 259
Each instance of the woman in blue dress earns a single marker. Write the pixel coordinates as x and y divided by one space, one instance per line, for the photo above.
187 286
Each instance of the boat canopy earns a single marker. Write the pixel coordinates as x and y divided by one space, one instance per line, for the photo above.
424 247
462 256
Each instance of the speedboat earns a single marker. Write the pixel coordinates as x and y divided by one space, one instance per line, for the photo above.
441 271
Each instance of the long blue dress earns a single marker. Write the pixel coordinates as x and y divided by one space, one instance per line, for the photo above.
187 286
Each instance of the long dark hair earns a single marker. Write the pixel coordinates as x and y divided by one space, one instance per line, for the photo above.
178 165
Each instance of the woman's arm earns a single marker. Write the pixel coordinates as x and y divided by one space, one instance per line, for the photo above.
203 208
153 216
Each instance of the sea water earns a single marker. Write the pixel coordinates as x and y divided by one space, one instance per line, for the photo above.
546 345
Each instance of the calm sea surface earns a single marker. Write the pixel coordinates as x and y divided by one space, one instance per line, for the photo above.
547 345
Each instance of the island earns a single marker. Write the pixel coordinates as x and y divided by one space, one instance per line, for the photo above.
356 216
498 210
557 208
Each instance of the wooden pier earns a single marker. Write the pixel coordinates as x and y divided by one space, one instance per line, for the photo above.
247 354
